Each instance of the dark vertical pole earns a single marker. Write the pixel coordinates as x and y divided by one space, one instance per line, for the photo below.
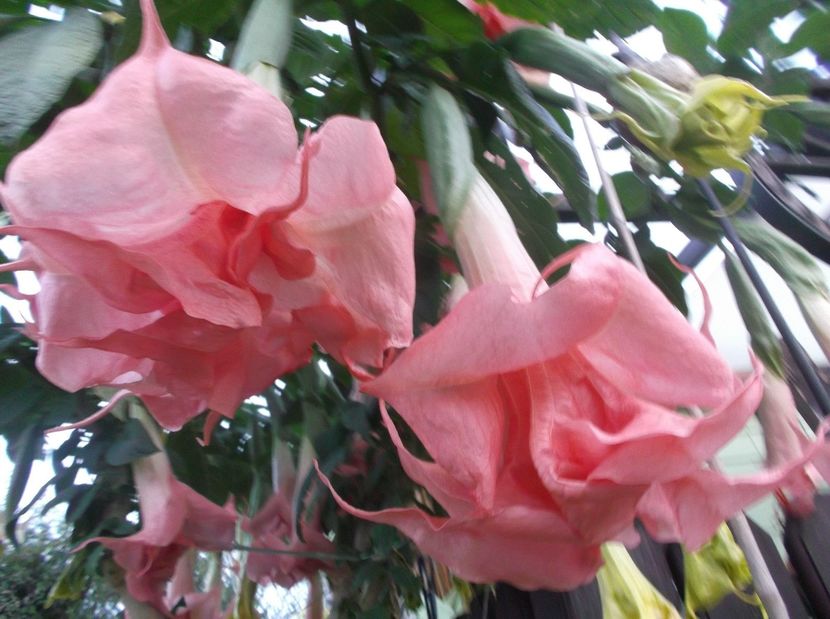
802 361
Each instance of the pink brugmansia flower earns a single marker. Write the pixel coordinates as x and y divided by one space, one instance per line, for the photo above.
273 528
550 418
188 602
174 518
178 195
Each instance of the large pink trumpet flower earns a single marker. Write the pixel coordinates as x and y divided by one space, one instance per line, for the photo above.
550 417
174 519
178 193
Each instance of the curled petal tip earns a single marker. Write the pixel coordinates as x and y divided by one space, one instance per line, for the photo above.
97 415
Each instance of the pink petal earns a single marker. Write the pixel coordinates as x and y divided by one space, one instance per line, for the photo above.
528 548
162 155
595 447
360 228
350 174
689 509
457 499
471 415
673 364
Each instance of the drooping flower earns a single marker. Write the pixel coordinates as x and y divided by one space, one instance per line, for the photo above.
564 403
174 519
274 528
217 252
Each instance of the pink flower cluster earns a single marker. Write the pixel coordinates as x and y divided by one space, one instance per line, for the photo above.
190 251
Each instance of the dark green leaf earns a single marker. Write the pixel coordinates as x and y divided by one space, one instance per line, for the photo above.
131 442
447 22
205 16
747 19
813 34
81 501
685 35
582 18
634 194
487 71
23 451
355 417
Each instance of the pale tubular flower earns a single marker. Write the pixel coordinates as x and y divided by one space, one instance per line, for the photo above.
488 245
625 592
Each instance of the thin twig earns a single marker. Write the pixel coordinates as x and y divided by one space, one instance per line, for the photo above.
614 205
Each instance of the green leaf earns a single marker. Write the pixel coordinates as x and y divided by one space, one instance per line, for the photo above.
685 35
784 128
813 112
447 22
204 16
747 20
763 339
812 33
449 153
634 194
131 443
38 65
535 218
488 72
582 18
24 450
72 583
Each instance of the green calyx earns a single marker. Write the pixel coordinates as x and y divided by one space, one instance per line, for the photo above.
716 570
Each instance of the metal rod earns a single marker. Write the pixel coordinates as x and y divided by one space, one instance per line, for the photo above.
802 361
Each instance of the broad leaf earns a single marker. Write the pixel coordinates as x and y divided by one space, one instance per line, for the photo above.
747 19
487 71
685 35
38 64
